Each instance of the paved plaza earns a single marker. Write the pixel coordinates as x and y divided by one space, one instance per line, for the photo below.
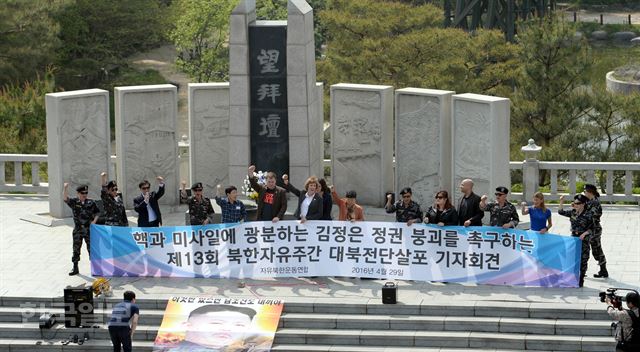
35 259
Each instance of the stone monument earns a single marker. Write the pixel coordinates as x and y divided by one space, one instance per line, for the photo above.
423 142
146 142
274 104
362 140
209 130
78 143
481 142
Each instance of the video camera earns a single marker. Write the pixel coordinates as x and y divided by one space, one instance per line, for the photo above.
616 300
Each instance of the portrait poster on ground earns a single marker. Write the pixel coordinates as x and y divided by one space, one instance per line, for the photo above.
209 324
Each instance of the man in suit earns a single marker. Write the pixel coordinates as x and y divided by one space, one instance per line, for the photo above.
146 204
272 200
469 213
310 205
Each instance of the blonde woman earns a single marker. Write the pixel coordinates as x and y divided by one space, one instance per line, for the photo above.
539 214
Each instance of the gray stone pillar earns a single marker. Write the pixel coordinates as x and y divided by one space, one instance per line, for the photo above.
209 130
362 140
305 118
423 142
530 170
78 143
146 143
239 142
481 142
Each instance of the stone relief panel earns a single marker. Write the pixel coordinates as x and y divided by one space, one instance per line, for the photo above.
149 141
418 146
357 143
209 138
472 145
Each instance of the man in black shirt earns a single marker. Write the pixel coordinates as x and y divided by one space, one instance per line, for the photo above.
469 213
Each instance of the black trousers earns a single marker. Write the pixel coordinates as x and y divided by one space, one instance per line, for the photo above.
121 338
154 223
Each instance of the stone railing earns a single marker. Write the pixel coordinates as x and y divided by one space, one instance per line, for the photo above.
563 175
18 184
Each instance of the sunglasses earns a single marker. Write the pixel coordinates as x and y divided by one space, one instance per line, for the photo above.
406 196
114 189
499 194
83 192
198 189
145 187
440 197
577 203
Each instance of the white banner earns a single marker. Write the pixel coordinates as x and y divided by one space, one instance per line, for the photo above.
335 248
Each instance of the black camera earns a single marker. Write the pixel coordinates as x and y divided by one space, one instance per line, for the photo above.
616 300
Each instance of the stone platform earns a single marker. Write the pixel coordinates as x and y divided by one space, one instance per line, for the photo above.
35 259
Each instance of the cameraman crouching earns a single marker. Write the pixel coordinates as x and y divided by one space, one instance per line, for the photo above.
624 329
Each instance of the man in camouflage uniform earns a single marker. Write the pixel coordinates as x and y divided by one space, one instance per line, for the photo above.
85 212
502 213
406 209
581 226
200 207
593 206
113 203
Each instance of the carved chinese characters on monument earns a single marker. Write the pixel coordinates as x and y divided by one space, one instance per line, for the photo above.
268 89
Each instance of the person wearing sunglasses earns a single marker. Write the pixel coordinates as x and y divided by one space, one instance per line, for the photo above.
501 212
442 212
406 209
581 226
115 214
85 212
200 208
146 204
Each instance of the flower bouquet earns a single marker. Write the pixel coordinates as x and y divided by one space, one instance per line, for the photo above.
246 187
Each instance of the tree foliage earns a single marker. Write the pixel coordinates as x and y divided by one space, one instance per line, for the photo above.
23 116
27 39
97 36
549 99
200 35
404 45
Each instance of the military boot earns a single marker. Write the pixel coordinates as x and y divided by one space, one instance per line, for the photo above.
603 273
75 270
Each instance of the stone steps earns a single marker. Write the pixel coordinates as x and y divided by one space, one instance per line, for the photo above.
388 337
355 326
369 322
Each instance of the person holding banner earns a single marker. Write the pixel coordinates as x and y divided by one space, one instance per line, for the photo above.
112 202
310 204
593 206
406 209
146 204
200 207
581 226
85 212
442 213
233 210
349 210
327 202
272 200
469 213
502 213
540 215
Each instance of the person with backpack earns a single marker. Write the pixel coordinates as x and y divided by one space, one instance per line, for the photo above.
627 332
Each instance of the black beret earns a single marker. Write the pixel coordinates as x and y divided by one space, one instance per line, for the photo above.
197 185
592 189
581 198
82 188
502 189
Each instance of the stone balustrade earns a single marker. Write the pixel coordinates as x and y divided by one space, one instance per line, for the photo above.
560 172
